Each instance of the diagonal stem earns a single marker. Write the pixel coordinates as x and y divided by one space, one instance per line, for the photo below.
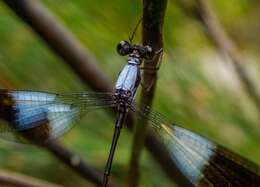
203 12
8 178
227 46
74 162
61 41
64 155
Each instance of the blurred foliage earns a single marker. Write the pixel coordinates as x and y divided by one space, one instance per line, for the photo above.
196 87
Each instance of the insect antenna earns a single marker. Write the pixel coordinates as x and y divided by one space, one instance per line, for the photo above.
131 37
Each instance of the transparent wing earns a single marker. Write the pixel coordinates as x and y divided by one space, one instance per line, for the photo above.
203 162
41 115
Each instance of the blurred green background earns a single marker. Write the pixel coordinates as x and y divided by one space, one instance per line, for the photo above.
196 87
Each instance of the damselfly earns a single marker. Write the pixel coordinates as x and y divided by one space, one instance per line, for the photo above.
41 116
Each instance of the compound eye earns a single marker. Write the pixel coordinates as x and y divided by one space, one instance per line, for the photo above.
149 54
123 48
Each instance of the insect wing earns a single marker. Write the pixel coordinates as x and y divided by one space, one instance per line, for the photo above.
42 116
203 162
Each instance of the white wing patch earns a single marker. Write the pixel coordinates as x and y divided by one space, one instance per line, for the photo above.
33 107
190 152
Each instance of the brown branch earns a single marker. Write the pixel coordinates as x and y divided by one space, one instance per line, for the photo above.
153 18
226 46
66 46
152 34
11 179
204 13
61 42
67 157
75 162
